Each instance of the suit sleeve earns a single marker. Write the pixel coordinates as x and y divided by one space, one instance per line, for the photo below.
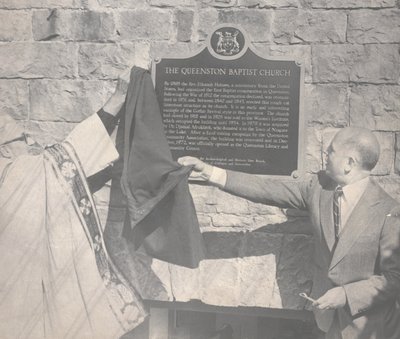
280 193
385 286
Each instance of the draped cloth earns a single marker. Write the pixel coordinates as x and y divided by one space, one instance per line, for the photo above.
57 280
161 218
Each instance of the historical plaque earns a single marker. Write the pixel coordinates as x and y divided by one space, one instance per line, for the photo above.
231 107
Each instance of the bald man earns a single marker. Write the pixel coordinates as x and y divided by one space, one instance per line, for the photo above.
356 228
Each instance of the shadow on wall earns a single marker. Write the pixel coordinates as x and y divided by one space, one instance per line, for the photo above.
273 257
283 258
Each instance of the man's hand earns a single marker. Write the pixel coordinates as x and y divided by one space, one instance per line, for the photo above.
201 170
332 299
114 104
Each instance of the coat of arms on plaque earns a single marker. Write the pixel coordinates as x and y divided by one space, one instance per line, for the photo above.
227 43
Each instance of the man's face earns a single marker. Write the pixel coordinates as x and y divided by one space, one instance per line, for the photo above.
336 159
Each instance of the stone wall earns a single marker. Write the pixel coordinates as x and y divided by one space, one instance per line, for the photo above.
60 60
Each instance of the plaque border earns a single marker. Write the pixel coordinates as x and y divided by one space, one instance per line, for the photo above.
301 147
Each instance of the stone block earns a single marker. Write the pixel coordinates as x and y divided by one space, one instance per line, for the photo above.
184 23
334 63
105 61
15 25
230 220
375 107
262 209
142 54
14 98
326 105
300 53
293 26
162 270
48 133
161 49
171 3
38 60
29 4
268 3
391 184
73 25
257 280
268 222
204 198
294 271
371 26
356 63
230 204
219 282
386 159
313 156
185 282
378 64
205 221
123 3
208 18
258 268
350 4
145 24
256 23
219 3
64 100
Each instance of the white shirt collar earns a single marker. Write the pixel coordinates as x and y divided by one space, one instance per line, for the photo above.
353 192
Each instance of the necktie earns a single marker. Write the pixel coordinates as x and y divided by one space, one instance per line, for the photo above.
336 210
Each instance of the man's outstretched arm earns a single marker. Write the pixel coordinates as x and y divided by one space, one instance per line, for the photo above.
282 193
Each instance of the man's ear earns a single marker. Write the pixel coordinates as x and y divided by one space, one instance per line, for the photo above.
349 164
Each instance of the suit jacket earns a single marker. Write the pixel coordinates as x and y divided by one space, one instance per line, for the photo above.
365 260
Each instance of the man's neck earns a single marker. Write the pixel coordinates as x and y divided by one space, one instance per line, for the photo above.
356 177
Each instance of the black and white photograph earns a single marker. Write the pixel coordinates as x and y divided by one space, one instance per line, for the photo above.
200 169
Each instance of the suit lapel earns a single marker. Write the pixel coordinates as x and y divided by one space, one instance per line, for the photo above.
359 220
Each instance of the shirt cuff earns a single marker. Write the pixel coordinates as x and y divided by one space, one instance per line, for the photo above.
92 145
218 177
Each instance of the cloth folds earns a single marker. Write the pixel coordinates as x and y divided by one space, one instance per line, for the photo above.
161 218
57 279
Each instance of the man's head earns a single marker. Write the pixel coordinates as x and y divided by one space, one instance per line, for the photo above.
352 154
